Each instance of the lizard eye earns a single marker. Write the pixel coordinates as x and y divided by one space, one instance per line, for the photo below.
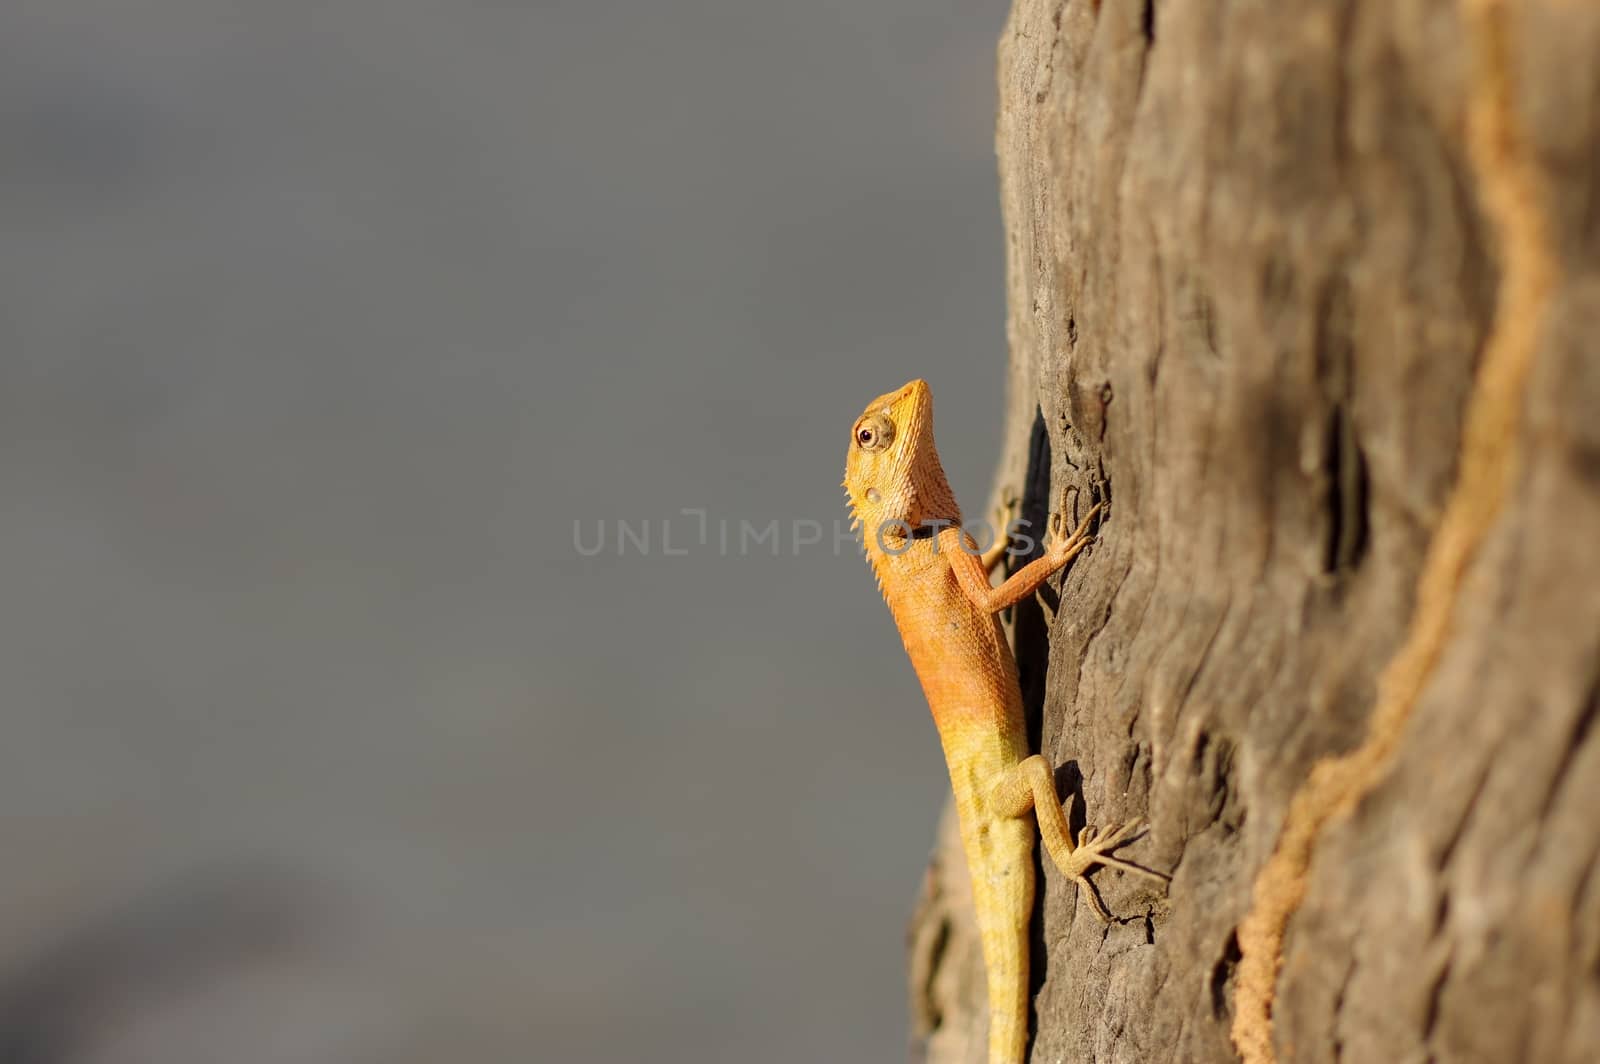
874 432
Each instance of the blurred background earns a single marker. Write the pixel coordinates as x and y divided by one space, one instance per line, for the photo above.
332 331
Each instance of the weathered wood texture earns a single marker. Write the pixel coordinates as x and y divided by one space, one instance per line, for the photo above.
1311 292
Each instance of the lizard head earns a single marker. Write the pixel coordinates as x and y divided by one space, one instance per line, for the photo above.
892 471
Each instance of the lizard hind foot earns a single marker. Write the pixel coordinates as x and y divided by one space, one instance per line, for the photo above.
1095 848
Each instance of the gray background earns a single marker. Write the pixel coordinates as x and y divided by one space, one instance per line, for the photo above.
323 324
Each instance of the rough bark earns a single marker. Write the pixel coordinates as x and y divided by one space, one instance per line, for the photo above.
1311 293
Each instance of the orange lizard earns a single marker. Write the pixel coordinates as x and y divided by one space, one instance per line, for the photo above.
937 586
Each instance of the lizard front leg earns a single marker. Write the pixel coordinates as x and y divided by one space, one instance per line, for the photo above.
1004 514
968 565
1031 785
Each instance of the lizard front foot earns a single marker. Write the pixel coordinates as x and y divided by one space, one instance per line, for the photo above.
1063 548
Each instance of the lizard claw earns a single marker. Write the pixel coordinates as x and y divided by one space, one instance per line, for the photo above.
1123 833
1063 545
1094 848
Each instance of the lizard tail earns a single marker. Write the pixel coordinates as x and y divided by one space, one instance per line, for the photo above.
1008 994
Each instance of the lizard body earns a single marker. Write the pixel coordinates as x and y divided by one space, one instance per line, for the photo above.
937 587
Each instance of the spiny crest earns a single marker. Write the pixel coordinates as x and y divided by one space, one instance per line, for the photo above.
855 525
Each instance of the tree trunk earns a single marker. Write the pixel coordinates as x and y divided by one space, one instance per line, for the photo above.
1310 292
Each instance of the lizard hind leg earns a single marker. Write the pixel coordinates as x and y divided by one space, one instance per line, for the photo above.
1031 785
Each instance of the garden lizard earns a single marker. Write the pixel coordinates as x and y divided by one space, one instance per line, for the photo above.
936 583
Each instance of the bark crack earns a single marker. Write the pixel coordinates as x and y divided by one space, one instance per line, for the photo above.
1338 1007
1580 735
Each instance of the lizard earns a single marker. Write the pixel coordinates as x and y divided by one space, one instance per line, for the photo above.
937 586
